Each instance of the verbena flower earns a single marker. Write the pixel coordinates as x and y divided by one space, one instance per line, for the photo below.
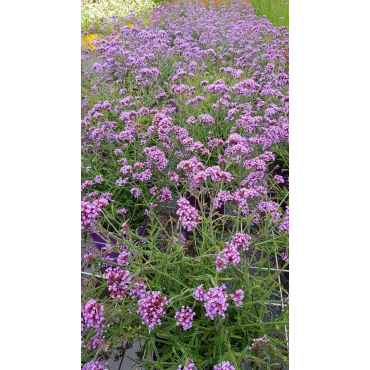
165 195
188 215
122 259
185 317
241 241
135 192
90 210
224 365
237 297
215 302
92 315
199 293
229 255
122 211
190 366
95 365
98 179
284 257
284 226
138 289
151 308
118 281
206 118
279 179
156 156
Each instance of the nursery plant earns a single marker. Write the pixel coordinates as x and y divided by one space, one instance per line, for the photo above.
185 188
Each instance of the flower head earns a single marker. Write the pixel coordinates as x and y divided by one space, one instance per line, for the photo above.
188 214
241 241
189 366
185 317
229 255
199 293
151 308
215 302
224 365
118 281
95 365
237 297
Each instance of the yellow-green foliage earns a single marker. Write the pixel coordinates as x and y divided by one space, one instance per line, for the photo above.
95 12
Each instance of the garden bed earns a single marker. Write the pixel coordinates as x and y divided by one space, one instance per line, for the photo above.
185 190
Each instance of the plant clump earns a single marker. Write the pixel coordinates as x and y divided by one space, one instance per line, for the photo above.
185 183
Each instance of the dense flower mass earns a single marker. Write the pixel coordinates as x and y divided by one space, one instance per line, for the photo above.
118 281
122 259
91 207
184 139
284 226
138 289
241 241
229 255
185 317
237 297
95 365
151 308
188 214
215 302
199 293
92 315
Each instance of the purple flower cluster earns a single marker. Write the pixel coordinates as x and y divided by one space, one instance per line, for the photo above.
118 281
151 308
92 316
224 365
241 241
135 192
122 259
237 297
229 255
138 289
156 156
98 179
215 173
165 195
195 100
190 366
90 210
215 302
284 257
215 299
206 119
284 226
188 215
95 365
185 317
200 293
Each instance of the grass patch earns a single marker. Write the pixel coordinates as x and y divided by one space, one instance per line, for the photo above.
277 11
